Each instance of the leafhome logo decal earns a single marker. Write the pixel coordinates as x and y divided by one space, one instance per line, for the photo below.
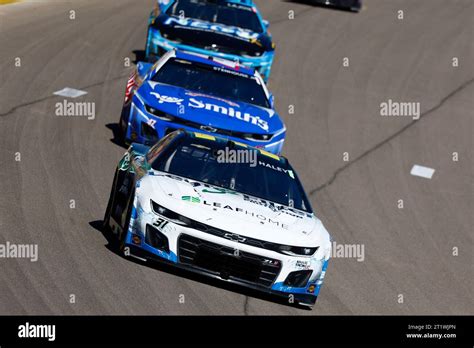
275 207
261 217
187 23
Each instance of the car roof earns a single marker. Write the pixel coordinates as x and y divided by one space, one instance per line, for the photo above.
213 61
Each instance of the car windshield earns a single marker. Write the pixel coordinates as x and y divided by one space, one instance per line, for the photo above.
213 81
249 171
216 11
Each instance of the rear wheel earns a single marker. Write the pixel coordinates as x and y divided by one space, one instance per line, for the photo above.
123 123
106 221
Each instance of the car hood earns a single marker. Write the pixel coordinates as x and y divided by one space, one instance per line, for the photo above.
208 110
234 212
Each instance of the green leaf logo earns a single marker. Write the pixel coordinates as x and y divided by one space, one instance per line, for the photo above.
191 199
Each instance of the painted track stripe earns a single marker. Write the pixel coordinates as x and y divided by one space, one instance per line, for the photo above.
70 93
4 2
421 171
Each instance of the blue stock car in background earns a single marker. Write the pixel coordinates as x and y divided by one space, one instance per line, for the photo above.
229 29
204 94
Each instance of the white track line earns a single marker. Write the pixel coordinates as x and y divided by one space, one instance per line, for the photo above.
421 171
70 93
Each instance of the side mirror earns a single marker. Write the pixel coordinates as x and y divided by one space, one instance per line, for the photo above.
266 23
272 100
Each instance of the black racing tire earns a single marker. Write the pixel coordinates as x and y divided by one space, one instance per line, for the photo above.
123 123
106 220
123 234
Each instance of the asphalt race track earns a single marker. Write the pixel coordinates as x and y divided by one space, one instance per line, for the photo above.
407 252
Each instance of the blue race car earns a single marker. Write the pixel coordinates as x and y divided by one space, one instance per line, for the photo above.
203 94
230 29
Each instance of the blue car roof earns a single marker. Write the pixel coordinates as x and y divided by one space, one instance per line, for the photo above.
210 61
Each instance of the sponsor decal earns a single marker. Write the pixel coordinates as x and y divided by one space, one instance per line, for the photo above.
125 162
231 103
241 7
275 207
165 99
277 169
191 199
234 72
230 111
303 264
263 219
189 23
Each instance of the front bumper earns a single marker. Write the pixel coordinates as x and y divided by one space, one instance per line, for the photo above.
158 45
299 298
265 272
158 128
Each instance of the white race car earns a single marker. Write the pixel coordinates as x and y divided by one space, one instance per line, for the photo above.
187 201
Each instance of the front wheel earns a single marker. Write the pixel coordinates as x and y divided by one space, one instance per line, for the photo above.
122 236
120 207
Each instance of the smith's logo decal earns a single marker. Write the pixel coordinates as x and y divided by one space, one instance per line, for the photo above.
165 99
229 111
